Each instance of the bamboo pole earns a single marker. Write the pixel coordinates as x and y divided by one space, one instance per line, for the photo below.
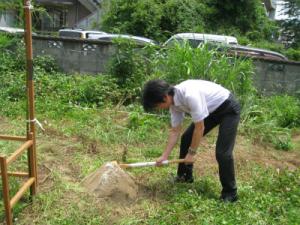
21 191
12 138
17 174
30 95
7 206
19 151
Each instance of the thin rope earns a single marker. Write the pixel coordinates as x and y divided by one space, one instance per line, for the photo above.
28 5
35 120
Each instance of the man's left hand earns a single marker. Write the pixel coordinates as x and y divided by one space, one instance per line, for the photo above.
189 159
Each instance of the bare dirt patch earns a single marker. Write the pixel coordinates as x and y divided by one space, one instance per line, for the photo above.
110 181
245 153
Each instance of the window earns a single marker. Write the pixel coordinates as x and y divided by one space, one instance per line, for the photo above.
70 34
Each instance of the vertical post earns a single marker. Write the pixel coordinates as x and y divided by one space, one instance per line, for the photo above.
30 95
6 199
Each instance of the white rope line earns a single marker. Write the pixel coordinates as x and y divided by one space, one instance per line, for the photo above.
35 120
28 5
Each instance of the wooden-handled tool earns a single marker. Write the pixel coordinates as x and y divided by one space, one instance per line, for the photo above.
144 164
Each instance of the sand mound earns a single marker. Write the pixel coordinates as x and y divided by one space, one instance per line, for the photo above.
112 182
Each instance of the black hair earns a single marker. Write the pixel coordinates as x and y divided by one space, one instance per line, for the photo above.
154 92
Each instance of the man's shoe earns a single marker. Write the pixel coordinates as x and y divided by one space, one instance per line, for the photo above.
183 179
229 198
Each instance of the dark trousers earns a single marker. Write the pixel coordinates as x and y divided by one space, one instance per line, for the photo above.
227 116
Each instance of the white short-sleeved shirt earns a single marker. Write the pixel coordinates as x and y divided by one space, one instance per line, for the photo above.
197 98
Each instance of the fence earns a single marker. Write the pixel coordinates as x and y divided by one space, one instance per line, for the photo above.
92 57
29 140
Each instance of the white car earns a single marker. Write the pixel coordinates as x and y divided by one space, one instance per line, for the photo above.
136 39
195 39
13 30
227 44
78 33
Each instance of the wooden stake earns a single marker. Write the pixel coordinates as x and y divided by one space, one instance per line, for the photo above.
7 206
30 95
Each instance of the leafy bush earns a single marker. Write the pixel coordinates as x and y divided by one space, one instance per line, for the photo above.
285 116
45 64
12 57
269 120
293 54
131 65
5 41
13 85
77 89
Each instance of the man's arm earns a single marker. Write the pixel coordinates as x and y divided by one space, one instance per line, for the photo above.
197 135
172 139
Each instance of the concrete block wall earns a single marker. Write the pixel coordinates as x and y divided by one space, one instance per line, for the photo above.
74 55
277 77
92 57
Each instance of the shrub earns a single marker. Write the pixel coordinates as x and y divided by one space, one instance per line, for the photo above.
269 120
45 64
84 90
293 54
285 116
131 65
12 56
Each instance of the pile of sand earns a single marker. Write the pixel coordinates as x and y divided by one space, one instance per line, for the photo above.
112 182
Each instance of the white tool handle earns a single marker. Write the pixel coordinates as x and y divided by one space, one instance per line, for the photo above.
144 164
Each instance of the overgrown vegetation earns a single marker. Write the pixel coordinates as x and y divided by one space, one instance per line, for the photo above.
161 19
291 25
263 118
84 130
174 16
183 62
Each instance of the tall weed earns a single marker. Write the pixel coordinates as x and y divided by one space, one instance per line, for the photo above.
131 65
182 62
268 119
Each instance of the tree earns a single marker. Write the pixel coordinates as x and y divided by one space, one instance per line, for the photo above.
157 19
291 25
132 17
246 15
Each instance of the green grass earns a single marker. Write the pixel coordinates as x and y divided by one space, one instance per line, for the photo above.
82 140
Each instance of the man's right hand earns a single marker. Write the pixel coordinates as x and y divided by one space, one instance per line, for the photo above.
160 160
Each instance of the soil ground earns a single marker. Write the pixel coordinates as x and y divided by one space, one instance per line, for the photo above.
55 153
